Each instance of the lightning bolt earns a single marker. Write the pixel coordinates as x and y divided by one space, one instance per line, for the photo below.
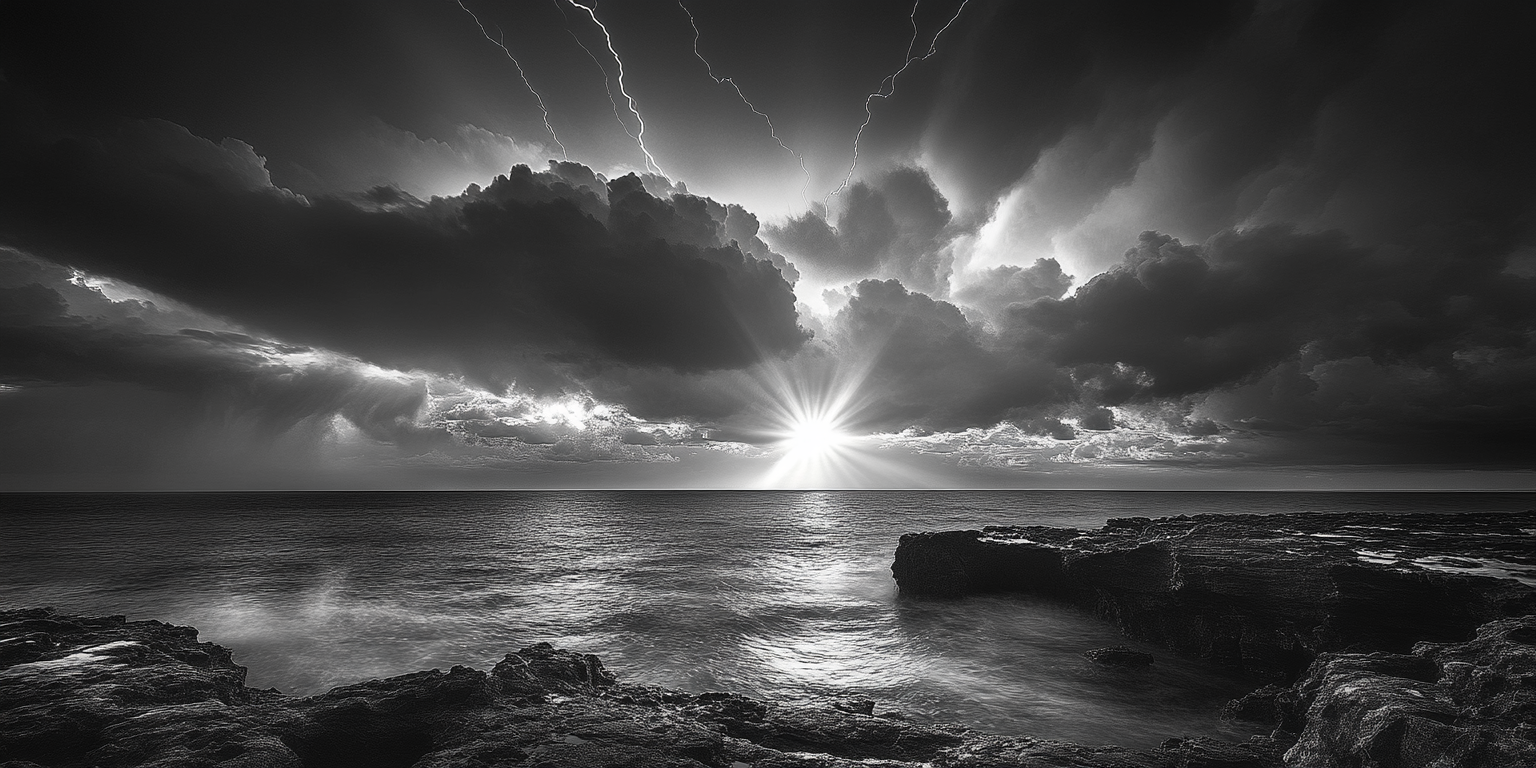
710 70
882 93
606 87
650 162
536 97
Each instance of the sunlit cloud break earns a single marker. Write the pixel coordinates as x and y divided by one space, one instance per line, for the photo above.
817 434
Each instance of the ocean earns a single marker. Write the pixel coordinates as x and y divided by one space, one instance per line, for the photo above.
774 594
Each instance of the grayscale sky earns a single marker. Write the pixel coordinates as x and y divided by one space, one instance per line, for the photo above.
720 243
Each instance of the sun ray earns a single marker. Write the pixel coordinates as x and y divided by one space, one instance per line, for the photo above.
816 426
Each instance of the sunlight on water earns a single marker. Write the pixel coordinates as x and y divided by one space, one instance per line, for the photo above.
771 594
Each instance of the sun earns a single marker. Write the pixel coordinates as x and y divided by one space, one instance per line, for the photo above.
815 431
814 435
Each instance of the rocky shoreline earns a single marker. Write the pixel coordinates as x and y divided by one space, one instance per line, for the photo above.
103 691
1454 683
1401 640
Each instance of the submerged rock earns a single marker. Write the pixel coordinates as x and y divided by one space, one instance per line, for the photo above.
81 691
1265 593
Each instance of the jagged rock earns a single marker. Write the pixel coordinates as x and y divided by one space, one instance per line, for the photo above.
1264 705
1265 593
106 692
1469 705
1119 656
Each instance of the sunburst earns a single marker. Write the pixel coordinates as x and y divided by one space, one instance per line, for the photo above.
819 437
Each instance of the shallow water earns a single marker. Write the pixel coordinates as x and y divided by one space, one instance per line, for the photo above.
771 594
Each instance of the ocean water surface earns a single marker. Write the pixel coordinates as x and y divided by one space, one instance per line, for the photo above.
777 594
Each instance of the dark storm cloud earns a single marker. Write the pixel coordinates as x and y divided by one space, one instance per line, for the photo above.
929 367
685 217
521 280
662 394
122 383
1390 120
1197 317
340 95
1013 79
1395 122
1276 330
742 227
891 227
1346 353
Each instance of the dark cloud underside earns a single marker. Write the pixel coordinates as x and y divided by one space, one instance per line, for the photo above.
510 282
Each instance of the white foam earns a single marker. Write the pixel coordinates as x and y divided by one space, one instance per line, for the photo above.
92 655
1384 557
1486 566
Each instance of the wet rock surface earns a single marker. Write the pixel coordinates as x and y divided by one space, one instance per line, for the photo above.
1264 593
1452 704
89 691
1395 640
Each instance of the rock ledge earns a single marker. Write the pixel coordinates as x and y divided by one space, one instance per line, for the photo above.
1399 640
104 692
1265 593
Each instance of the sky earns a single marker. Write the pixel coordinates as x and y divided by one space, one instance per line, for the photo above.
730 244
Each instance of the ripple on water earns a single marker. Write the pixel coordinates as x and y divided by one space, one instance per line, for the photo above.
781 595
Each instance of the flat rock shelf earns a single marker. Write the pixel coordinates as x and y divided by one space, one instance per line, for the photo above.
1401 640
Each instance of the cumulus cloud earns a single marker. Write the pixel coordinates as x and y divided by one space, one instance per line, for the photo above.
993 290
1196 317
1273 330
892 227
925 365
530 279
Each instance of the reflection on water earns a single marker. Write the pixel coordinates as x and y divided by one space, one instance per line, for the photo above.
771 594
